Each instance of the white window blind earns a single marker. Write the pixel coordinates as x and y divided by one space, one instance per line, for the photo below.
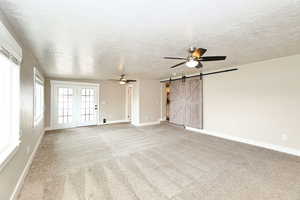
9 43
9 106
38 98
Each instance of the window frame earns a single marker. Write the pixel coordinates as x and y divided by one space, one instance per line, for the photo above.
38 79
14 140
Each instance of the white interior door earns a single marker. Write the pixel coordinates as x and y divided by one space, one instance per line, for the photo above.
74 104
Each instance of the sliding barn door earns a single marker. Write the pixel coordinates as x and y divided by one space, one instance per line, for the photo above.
186 102
193 103
177 103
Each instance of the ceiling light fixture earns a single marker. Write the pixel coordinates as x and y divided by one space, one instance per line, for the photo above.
122 82
192 63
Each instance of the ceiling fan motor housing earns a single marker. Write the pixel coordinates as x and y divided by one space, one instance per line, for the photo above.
192 49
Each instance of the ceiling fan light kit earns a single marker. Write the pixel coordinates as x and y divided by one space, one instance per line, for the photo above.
192 63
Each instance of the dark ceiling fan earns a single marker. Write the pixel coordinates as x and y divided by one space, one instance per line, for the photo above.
195 58
123 80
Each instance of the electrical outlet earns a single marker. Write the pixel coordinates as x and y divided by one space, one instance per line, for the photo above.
284 137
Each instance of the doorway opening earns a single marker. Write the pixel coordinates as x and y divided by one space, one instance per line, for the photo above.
167 101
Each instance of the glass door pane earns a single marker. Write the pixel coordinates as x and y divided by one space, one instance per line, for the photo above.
65 103
87 110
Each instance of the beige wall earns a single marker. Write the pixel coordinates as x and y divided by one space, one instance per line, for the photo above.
146 102
112 100
47 102
259 102
10 174
150 98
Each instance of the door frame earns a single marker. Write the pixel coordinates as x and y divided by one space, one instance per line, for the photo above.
54 83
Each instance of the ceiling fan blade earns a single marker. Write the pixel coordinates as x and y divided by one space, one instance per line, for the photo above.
199 52
212 58
113 80
178 64
175 58
130 81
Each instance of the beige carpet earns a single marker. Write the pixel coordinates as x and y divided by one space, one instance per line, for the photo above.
121 162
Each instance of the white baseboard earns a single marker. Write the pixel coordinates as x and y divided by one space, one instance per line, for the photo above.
108 122
20 182
58 128
194 129
48 128
147 123
115 122
163 119
274 147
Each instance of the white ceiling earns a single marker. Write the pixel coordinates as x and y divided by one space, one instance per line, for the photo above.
98 39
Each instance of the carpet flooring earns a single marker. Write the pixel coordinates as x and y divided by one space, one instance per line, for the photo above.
162 162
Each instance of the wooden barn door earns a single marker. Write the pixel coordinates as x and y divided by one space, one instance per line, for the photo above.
186 102
193 103
177 103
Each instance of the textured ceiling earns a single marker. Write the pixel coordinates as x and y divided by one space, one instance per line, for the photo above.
98 39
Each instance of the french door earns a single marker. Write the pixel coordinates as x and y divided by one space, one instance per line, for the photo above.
74 104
